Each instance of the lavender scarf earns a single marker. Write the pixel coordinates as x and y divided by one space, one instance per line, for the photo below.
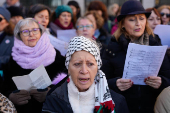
32 57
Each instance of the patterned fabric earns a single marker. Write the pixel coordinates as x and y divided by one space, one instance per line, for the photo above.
32 57
143 40
102 92
6 106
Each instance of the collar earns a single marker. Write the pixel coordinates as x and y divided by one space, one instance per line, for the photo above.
81 96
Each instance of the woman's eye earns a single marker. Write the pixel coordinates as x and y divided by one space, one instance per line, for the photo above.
150 19
141 18
90 64
77 64
131 19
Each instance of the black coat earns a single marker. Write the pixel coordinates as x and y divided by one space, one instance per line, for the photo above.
58 102
13 69
140 98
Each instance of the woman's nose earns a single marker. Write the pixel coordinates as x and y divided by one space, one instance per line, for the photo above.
84 69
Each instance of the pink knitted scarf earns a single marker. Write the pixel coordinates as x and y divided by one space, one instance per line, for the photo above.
32 57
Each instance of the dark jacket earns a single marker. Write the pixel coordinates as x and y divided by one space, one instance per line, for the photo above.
140 98
13 69
58 102
104 37
6 44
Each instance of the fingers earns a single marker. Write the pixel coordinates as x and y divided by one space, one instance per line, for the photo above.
124 84
153 81
23 92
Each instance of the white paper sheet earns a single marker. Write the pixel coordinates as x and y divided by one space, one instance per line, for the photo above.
59 45
163 31
143 61
66 35
37 79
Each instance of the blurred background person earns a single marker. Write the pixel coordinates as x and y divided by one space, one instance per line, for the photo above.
16 14
115 22
100 7
31 49
112 11
6 36
164 10
41 13
154 19
85 27
101 35
62 19
16 3
76 10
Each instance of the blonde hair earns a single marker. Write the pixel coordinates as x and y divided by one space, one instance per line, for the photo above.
163 7
99 20
110 9
120 30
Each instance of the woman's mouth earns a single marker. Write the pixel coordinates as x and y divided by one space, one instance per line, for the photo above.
137 30
32 40
84 80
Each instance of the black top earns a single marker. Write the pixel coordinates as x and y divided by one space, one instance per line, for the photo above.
140 98
13 69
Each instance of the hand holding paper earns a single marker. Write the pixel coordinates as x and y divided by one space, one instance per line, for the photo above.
37 79
143 61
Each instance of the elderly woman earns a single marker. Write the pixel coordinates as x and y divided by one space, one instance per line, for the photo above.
154 19
86 90
61 19
164 10
6 36
85 27
100 34
32 48
134 28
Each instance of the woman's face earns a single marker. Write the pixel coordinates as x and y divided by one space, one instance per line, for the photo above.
135 25
83 69
164 14
154 20
65 19
3 23
33 36
16 19
91 17
42 17
74 9
85 28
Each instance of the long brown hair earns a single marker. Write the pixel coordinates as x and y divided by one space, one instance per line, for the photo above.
9 30
120 30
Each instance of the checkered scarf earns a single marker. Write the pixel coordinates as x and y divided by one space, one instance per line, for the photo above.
102 93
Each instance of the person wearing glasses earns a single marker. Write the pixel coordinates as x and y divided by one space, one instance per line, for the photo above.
32 48
164 10
101 35
6 36
85 27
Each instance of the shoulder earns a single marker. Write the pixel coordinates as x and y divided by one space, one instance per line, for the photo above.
120 102
154 40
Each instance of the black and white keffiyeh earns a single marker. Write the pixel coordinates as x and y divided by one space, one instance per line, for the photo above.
102 92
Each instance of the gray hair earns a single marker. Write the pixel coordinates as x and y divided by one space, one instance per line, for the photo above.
24 22
84 17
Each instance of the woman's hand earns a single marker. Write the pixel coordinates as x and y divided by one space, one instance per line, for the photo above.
20 97
124 84
39 94
153 81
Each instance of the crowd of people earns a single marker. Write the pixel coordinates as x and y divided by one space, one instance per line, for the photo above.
84 56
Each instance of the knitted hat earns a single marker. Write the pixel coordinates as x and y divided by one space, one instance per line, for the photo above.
63 8
15 11
5 13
